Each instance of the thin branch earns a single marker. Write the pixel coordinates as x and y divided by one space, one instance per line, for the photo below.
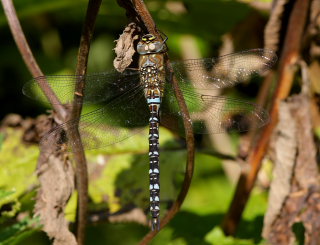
137 10
79 156
219 155
81 169
145 17
289 57
28 57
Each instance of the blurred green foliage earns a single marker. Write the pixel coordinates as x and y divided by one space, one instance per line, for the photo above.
124 167
17 232
17 176
53 30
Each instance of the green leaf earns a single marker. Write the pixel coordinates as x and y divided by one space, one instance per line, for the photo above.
217 237
33 7
17 232
5 194
18 163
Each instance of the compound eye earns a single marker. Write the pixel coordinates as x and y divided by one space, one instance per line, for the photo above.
140 48
146 47
152 46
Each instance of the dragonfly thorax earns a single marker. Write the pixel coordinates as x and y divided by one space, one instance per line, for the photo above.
152 83
152 74
151 68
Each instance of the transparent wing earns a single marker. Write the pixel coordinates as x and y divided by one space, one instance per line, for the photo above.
224 71
211 114
105 126
99 87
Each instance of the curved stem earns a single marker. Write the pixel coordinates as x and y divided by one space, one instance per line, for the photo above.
79 155
289 57
28 57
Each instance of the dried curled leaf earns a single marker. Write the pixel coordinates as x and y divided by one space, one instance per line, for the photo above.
56 176
295 192
273 28
314 29
125 47
285 150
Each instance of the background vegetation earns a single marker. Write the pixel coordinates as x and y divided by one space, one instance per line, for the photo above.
53 30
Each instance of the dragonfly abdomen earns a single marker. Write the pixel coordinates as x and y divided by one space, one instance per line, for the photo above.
153 97
154 171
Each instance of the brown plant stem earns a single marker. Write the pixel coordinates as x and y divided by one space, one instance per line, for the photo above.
28 57
190 153
145 17
79 155
288 59
81 167
138 12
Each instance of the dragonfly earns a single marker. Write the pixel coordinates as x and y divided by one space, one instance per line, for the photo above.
135 98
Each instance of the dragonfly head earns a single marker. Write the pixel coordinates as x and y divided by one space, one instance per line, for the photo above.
149 44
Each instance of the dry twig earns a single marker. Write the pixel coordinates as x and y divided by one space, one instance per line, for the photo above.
79 155
288 59
62 112
28 57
